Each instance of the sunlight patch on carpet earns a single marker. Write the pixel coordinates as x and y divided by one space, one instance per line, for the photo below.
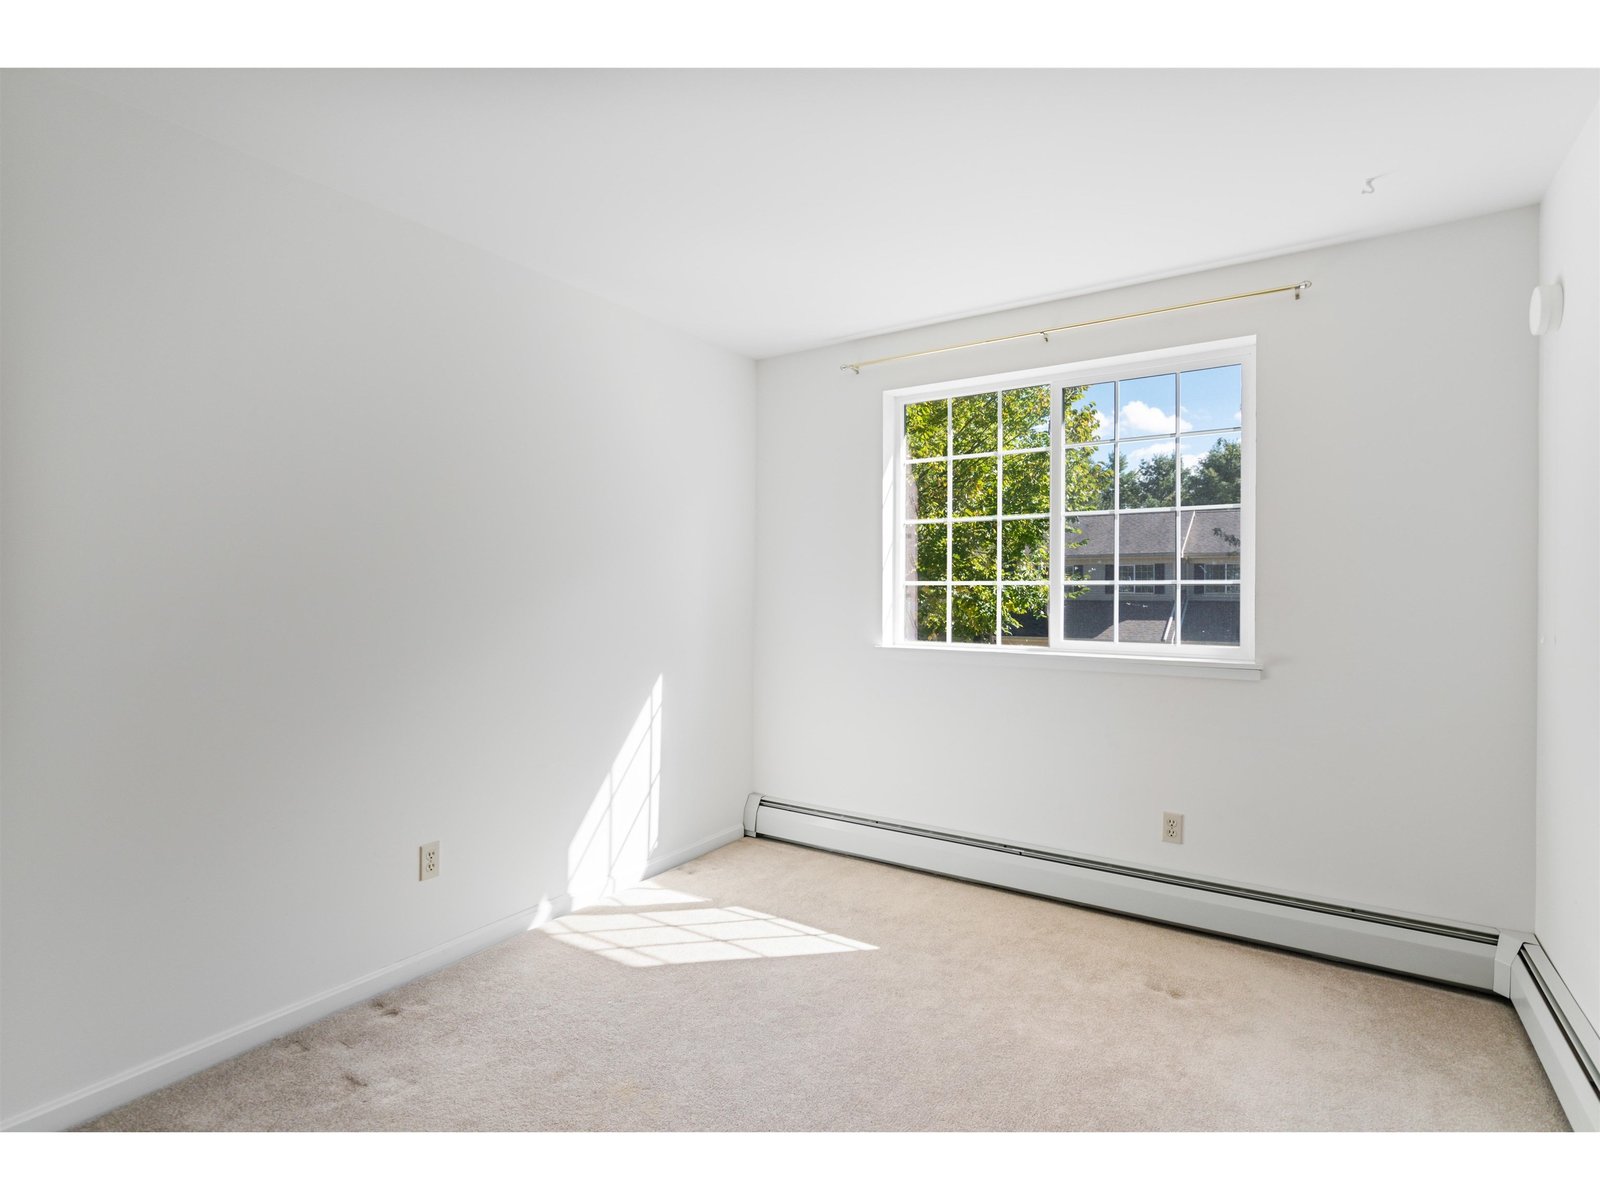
696 935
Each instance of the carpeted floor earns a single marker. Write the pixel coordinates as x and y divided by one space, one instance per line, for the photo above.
768 987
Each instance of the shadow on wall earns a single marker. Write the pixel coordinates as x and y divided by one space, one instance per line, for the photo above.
619 834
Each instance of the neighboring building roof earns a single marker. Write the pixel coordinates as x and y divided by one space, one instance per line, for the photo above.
1205 620
1207 533
1211 532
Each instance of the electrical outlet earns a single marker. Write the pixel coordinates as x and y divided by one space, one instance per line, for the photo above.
1172 828
428 861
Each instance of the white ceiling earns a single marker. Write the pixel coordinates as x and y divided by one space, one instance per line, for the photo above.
769 211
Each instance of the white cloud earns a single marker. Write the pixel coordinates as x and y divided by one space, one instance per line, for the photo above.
1141 418
1135 452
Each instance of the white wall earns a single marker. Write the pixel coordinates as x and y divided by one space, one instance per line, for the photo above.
1567 918
1385 759
325 536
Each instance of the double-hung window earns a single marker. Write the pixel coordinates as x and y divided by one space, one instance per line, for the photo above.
1095 508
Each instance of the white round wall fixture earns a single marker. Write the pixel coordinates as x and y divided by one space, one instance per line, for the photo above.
1544 308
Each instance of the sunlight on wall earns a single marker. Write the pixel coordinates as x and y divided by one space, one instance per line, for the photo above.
697 935
606 865
618 834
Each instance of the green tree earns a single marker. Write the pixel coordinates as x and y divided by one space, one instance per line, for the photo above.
927 429
1087 476
1215 478
1149 483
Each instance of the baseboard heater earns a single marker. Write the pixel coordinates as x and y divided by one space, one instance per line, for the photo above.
1463 955
1566 1043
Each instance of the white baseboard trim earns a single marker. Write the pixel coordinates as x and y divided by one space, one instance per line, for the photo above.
1562 1037
1457 954
665 862
89 1102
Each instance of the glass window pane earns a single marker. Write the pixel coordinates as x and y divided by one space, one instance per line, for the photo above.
1147 543
1025 616
1088 477
1086 613
1146 614
974 486
1086 412
1148 479
927 432
1087 545
925 611
1147 405
972 550
1025 418
1210 616
972 614
926 490
975 423
1211 467
1025 549
925 546
1025 483
1211 544
1211 399
1149 492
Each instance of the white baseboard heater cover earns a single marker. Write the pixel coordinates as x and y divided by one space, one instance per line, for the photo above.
1566 1043
1462 955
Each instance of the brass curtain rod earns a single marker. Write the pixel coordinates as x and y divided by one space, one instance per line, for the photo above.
1296 288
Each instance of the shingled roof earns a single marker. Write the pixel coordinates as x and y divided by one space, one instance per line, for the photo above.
1207 533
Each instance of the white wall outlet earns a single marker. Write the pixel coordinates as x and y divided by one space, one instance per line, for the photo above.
428 861
1172 828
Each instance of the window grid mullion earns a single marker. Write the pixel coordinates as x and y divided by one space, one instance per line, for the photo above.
1177 502
949 513
979 520
1144 437
1057 496
1116 512
1082 512
999 490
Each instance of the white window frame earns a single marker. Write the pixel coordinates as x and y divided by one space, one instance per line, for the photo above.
1238 351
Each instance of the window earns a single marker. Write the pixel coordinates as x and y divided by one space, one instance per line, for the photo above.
1143 570
1099 508
1216 570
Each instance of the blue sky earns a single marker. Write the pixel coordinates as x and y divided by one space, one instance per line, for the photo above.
1210 401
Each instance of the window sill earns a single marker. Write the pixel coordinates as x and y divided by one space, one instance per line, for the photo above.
1128 664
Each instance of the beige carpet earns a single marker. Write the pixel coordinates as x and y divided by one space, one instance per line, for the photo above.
734 993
